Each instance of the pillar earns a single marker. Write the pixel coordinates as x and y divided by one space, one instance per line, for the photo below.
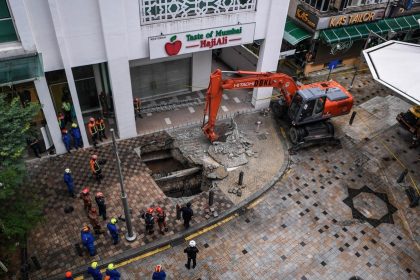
201 69
270 49
113 19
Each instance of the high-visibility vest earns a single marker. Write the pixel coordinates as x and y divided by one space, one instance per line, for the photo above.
66 106
94 166
100 124
92 128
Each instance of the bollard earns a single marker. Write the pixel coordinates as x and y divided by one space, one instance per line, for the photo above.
241 178
352 117
178 212
211 197
402 176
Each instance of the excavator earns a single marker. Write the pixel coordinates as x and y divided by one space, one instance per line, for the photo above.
307 107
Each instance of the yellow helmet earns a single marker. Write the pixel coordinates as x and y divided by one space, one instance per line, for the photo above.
74 125
111 266
113 221
94 265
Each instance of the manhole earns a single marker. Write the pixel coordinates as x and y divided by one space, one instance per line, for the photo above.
173 173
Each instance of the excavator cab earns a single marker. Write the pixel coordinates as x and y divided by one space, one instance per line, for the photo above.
303 110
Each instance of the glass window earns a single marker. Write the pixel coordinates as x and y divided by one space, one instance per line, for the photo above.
86 88
7 27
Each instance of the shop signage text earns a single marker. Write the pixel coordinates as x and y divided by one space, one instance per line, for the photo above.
350 19
306 17
193 41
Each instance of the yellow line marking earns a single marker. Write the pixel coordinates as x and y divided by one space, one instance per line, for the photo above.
204 230
255 203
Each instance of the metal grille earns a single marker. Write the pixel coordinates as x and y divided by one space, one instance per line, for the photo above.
154 11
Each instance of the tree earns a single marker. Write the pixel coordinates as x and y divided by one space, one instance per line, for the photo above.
17 214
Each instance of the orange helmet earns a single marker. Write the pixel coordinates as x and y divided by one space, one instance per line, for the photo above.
158 268
99 194
64 131
159 210
107 277
94 157
150 210
92 119
68 274
85 190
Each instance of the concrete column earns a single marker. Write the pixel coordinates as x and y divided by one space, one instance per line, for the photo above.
97 75
23 25
201 69
270 49
50 114
114 25
59 33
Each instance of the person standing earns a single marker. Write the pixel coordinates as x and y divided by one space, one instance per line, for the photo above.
88 240
95 168
100 201
85 196
149 220
191 252
94 220
93 130
112 272
113 230
61 122
161 217
68 275
159 273
187 214
94 271
77 136
66 139
100 124
33 142
68 179
137 107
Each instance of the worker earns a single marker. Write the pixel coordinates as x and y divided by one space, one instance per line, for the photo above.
33 142
66 139
93 130
137 107
159 273
85 196
68 179
113 230
94 271
77 136
107 277
112 272
94 221
100 201
68 275
149 220
61 122
187 214
88 240
95 168
100 124
191 252
161 217
66 106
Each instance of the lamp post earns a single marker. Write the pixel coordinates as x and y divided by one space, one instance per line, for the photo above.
371 34
130 236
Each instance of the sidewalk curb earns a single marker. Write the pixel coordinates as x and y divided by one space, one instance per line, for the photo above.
179 238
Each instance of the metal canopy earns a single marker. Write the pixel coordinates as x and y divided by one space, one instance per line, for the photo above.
361 31
396 65
294 34
20 68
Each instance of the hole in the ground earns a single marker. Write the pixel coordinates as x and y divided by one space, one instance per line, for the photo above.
174 174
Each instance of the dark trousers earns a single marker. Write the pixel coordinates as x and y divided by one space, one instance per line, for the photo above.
149 228
102 212
67 117
78 143
95 138
102 134
98 175
187 223
36 149
189 262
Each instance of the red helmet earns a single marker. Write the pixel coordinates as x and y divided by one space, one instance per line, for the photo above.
68 274
93 210
150 210
159 210
158 268
85 190
99 194
92 119
94 157
64 130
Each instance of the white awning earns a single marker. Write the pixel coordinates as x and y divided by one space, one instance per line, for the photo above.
396 65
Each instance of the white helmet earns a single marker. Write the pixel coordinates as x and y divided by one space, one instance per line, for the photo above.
192 243
67 170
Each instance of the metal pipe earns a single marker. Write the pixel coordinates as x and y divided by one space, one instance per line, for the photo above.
130 236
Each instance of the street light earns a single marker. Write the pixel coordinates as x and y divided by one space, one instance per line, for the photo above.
130 236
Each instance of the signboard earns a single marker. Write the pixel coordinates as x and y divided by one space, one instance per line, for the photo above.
307 17
285 54
201 40
355 18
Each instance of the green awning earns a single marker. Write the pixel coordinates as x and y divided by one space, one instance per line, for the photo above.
20 68
294 34
361 31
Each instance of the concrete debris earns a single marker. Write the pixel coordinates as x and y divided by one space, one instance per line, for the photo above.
215 214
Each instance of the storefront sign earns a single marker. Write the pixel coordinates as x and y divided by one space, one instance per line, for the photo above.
306 17
355 18
201 40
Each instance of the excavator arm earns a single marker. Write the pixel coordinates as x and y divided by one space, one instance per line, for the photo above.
217 85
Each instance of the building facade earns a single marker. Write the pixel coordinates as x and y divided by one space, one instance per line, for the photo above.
98 55
322 34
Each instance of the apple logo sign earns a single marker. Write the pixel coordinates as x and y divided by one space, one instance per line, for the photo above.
173 47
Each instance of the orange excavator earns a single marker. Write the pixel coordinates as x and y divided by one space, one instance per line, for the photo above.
308 107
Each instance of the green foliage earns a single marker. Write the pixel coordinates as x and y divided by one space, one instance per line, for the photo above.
18 212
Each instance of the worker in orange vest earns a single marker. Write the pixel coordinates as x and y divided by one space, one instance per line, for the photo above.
93 130
100 124
137 106
95 168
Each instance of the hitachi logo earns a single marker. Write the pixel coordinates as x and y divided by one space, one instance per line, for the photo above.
257 83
